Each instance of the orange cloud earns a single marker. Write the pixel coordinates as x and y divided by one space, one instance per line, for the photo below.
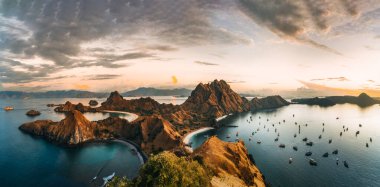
341 91
174 79
81 86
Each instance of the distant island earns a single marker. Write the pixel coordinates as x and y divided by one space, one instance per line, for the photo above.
148 91
362 100
139 92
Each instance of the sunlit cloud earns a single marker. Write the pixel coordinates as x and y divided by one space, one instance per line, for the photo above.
341 91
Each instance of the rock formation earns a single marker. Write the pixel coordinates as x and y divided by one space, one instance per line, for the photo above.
215 100
229 161
68 106
33 113
152 133
93 103
72 130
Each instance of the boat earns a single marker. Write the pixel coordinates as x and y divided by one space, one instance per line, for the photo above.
330 141
8 108
108 178
295 135
312 162
276 139
340 133
295 148
308 153
345 164
320 136
360 125
228 136
309 143
357 132
237 139
290 160
305 139
326 155
337 118
366 144
370 139
282 146
258 142
335 152
337 161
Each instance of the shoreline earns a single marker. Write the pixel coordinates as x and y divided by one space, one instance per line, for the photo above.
134 116
139 152
188 136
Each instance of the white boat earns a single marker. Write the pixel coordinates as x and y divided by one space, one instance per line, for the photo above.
108 178
8 108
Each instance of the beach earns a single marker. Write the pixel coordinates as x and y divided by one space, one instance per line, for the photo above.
187 137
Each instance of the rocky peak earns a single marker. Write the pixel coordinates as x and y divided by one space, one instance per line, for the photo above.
115 97
231 159
365 100
215 99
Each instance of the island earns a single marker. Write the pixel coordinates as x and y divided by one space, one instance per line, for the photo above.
363 100
159 129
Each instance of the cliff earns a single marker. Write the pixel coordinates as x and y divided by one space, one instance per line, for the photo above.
72 130
68 106
152 133
229 161
215 100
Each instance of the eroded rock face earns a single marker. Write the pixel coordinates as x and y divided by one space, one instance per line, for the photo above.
215 100
68 106
229 161
72 130
152 133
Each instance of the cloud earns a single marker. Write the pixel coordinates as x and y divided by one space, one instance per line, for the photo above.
340 91
331 79
103 77
235 81
205 63
81 86
293 20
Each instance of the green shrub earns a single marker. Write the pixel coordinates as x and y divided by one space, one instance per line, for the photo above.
166 170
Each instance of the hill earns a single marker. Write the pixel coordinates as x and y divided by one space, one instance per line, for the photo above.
143 91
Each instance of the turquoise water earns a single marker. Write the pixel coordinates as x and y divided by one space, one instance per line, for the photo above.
30 161
364 163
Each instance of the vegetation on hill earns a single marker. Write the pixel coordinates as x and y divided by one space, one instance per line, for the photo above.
166 169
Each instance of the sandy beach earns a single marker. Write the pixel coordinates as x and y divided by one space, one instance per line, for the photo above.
187 137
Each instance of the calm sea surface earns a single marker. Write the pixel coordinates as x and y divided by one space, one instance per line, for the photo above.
29 161
364 163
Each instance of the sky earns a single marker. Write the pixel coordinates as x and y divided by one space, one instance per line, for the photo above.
261 47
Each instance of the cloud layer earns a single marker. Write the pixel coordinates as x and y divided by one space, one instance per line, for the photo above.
56 31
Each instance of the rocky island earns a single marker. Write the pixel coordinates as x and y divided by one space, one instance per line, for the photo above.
160 127
33 113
